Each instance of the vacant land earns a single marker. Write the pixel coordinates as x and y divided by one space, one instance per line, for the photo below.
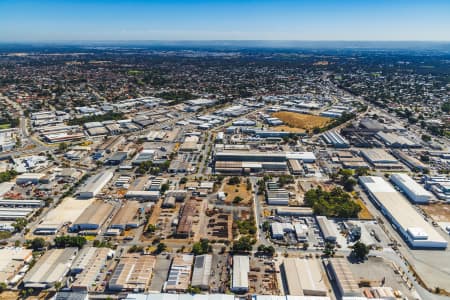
438 212
237 190
364 214
302 121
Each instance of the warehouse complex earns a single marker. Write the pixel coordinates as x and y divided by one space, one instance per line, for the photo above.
256 162
50 268
126 217
414 191
413 228
133 273
68 211
239 277
343 277
202 271
12 260
95 184
93 217
179 276
304 277
87 266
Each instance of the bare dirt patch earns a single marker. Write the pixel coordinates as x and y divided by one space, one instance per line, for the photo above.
302 121
438 212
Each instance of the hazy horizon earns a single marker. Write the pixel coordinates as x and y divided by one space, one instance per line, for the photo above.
176 20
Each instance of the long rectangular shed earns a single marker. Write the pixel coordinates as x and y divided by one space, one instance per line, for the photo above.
417 232
239 278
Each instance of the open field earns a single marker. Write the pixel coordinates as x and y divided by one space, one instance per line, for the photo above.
237 190
438 212
302 121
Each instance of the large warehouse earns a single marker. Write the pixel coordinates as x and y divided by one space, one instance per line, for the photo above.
88 266
415 230
255 162
202 271
335 139
379 158
127 216
93 217
304 277
68 211
239 278
343 277
133 273
414 191
179 274
50 268
95 184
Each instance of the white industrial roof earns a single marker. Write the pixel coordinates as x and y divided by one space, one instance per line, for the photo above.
401 210
410 184
241 267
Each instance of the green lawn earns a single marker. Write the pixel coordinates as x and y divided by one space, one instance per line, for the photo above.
5 126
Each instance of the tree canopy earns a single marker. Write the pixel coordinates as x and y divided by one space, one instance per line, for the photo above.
336 203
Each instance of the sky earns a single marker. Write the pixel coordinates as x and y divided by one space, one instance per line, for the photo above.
312 20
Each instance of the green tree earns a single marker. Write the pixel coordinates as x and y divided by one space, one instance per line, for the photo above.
244 244
234 180
37 244
426 138
3 287
65 241
201 247
20 224
360 250
161 248
63 147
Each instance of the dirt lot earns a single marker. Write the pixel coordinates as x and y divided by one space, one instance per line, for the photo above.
364 214
237 190
438 212
302 121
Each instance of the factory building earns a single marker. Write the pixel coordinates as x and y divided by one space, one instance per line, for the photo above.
52 267
417 232
93 217
68 211
127 216
327 229
412 162
12 260
26 178
343 277
143 195
239 277
117 158
414 191
179 274
396 141
276 195
304 277
256 162
335 139
95 184
380 159
133 273
294 211
21 203
202 271
88 265
278 230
